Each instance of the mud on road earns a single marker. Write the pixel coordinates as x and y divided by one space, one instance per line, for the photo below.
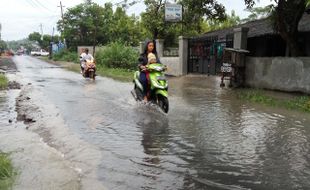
44 152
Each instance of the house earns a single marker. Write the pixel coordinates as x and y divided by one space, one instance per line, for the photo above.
263 41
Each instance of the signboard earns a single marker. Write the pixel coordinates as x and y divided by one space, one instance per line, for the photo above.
173 13
226 68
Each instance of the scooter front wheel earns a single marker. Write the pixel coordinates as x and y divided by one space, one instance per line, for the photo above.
92 75
163 103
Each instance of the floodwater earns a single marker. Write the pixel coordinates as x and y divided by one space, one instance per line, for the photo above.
208 140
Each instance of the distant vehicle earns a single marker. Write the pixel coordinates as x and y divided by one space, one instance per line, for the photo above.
42 52
20 52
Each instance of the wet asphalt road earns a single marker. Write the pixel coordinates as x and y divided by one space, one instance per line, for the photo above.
209 139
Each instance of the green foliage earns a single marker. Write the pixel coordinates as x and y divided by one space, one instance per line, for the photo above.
66 55
153 18
6 172
301 103
229 21
3 45
43 41
117 55
259 13
91 24
286 17
3 82
25 43
35 36
125 28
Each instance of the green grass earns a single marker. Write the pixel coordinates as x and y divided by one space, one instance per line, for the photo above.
3 82
124 75
115 73
7 173
301 103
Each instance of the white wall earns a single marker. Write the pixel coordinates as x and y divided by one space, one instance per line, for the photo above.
279 73
172 64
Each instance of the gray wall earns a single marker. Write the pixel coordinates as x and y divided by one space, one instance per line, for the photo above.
279 73
172 64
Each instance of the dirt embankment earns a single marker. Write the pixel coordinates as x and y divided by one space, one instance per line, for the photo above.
7 65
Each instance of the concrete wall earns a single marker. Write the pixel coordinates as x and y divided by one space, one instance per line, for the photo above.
177 66
279 73
172 64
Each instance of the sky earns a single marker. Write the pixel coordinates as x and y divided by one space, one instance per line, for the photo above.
19 18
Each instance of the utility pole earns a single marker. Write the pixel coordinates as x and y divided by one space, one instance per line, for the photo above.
62 13
62 16
41 29
51 45
0 30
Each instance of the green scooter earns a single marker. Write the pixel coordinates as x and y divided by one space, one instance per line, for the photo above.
158 86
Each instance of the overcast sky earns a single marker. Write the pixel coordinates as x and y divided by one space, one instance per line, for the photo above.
22 17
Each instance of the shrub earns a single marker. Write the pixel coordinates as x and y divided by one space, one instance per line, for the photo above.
66 55
3 81
117 55
7 172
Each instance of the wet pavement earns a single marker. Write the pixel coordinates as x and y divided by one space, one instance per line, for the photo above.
208 140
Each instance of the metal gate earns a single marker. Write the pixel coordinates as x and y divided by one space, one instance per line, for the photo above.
206 53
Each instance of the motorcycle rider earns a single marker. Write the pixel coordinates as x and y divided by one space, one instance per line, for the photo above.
86 57
81 59
149 48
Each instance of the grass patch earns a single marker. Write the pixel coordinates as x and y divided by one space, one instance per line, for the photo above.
3 82
301 103
7 172
125 75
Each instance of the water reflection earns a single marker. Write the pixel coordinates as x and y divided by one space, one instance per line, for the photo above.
209 139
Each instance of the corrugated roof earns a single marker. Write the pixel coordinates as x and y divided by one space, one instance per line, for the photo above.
258 28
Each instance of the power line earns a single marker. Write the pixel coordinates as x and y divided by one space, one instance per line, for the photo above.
38 2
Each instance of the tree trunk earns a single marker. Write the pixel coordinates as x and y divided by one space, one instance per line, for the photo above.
288 15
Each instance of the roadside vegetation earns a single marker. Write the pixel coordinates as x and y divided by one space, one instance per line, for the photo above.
66 55
115 60
3 82
7 173
301 103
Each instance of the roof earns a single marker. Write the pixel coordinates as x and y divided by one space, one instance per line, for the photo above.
258 28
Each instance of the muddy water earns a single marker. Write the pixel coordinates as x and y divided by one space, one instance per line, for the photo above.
209 139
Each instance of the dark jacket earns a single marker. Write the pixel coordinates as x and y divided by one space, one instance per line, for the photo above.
143 56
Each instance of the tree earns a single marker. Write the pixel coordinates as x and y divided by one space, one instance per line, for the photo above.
35 36
195 12
125 28
3 45
259 13
287 16
43 41
229 21
83 24
153 18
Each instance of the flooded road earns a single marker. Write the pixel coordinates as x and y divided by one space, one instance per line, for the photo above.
209 139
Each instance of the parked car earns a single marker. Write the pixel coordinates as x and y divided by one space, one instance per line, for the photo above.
42 52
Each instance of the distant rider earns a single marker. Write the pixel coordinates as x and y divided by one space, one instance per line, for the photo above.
84 58
81 59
